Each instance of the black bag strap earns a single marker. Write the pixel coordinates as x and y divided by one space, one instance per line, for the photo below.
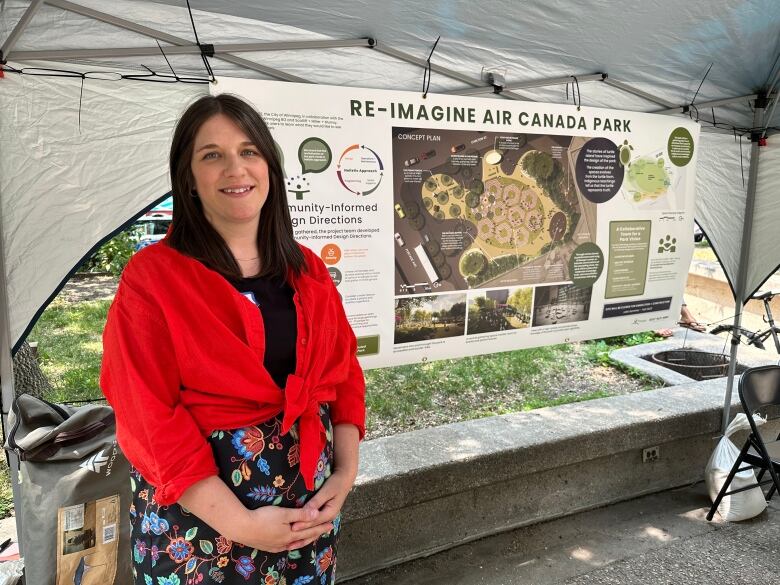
65 438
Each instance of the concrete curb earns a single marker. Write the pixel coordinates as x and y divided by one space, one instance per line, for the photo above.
425 491
684 338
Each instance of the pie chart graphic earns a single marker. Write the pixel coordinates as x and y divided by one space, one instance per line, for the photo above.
360 169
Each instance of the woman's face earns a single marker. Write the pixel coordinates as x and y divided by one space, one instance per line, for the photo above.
231 177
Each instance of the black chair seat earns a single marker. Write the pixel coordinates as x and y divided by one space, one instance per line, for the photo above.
773 450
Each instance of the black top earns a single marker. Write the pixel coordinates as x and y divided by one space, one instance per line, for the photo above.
274 298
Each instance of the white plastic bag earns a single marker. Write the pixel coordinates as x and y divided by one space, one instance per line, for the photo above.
742 505
11 572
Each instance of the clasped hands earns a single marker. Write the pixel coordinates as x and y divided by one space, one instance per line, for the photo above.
293 528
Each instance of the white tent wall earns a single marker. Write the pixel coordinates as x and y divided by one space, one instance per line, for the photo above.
661 46
765 238
720 195
345 66
63 185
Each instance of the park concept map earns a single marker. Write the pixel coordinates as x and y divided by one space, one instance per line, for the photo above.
481 209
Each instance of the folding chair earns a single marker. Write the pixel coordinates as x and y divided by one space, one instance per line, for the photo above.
759 387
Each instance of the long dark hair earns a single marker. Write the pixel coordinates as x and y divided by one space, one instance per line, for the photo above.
192 234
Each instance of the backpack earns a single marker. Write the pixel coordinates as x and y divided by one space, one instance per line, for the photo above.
75 493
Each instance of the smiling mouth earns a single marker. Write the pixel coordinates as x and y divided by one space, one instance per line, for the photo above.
237 190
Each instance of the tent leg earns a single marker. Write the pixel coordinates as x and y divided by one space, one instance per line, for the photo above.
7 390
744 252
732 368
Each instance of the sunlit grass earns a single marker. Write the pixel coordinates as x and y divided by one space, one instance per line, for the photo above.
703 251
70 348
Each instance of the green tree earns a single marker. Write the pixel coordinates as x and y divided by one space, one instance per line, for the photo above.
458 309
472 263
114 254
521 300
538 164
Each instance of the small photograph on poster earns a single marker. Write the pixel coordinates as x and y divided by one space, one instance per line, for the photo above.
430 317
561 303
499 310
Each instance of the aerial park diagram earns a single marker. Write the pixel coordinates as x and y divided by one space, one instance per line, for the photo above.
480 209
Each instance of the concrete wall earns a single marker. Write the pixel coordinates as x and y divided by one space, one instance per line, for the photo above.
711 301
425 491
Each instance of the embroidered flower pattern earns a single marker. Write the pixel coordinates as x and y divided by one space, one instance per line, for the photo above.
260 465
223 545
245 567
263 493
179 550
249 442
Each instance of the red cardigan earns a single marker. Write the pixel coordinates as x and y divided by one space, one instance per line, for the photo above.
183 357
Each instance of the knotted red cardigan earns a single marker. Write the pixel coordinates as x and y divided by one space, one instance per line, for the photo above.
183 357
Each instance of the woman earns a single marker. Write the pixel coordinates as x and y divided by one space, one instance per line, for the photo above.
232 369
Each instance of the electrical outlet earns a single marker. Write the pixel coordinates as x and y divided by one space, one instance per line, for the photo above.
651 454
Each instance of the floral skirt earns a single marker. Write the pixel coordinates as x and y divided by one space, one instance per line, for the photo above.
171 546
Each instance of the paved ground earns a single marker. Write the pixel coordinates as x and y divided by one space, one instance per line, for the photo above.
662 539
92 288
8 528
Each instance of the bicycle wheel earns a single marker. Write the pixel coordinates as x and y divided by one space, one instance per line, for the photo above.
750 337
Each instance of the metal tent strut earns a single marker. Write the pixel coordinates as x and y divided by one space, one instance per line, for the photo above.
7 390
224 52
526 84
711 104
180 45
473 81
744 253
624 87
19 29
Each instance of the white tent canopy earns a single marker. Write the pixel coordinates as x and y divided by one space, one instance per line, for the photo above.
707 59
703 58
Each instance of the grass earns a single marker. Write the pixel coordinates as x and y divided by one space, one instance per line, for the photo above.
70 352
405 391
70 348
703 251
6 493
597 351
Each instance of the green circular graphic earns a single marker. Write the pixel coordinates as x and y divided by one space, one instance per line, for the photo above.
280 153
680 147
585 265
314 155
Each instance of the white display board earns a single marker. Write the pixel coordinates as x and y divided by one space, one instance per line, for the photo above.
457 226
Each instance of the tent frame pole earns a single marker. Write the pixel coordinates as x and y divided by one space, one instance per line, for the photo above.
711 104
476 82
7 391
183 49
528 84
744 253
9 43
637 92
180 42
